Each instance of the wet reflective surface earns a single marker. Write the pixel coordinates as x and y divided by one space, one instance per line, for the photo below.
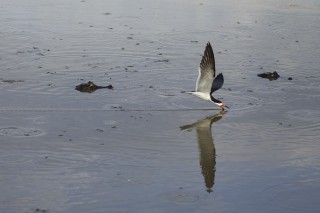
145 146
207 149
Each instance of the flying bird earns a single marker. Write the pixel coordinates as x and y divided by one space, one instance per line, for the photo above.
208 82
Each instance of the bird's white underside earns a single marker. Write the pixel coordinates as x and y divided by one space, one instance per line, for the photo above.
202 95
204 81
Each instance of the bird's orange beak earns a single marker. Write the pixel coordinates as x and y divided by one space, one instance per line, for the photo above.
222 106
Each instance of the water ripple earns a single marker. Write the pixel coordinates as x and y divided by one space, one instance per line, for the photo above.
299 196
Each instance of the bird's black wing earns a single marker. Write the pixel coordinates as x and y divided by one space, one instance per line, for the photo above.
207 61
206 71
217 83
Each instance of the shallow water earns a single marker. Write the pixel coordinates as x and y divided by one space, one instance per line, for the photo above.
145 146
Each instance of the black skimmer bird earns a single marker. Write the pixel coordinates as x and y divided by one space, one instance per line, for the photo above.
208 82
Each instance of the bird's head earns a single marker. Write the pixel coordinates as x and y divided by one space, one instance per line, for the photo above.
222 106
218 102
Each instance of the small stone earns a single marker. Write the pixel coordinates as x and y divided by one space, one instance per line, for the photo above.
269 75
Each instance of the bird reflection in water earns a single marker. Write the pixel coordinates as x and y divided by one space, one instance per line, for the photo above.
206 147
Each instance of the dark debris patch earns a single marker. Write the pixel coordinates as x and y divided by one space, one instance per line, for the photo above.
269 75
40 210
11 81
90 87
162 60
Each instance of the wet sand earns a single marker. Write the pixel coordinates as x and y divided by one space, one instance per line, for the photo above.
145 146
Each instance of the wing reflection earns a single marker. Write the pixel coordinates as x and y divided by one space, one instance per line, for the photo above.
206 147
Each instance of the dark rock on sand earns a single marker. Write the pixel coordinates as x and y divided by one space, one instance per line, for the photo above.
91 87
269 75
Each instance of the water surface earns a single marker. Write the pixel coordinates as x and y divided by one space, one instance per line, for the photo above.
145 146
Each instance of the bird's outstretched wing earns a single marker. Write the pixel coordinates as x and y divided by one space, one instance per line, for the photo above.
217 83
206 71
